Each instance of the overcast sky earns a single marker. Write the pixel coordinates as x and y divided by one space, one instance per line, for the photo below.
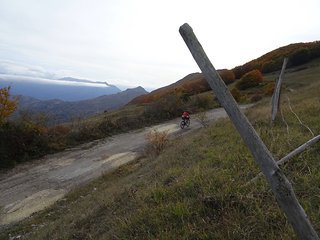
136 42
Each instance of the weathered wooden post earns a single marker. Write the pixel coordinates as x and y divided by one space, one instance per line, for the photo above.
279 183
277 91
298 150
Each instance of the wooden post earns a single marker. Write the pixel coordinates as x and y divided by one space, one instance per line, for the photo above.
299 150
279 183
277 91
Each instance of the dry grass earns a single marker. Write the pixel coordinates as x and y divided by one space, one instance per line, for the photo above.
156 141
202 118
196 187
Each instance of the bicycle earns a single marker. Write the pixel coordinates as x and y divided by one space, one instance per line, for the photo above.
185 123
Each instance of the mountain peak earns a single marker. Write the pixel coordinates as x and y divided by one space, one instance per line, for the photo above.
139 88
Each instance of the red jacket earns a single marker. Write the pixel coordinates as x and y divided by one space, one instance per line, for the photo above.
185 115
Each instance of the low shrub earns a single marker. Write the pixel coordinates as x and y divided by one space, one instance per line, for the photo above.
236 94
165 108
250 79
80 134
269 88
106 126
58 137
227 76
20 142
157 141
202 118
255 98
272 65
298 57
201 102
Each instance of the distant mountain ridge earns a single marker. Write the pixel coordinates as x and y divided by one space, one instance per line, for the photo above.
60 111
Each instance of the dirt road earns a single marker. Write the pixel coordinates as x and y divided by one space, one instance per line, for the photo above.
33 186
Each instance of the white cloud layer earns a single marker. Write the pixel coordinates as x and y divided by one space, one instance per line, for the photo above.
16 79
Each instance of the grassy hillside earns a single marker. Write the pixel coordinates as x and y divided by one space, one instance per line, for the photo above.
271 62
197 188
298 54
190 85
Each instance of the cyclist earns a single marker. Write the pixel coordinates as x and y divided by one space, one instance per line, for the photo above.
185 115
185 119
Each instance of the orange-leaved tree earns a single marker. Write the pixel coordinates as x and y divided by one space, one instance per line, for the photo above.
7 105
250 79
227 76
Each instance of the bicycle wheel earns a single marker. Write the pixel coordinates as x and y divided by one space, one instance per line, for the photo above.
182 124
188 122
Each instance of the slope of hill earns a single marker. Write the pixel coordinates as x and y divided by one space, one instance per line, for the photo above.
197 188
298 53
67 89
191 84
61 111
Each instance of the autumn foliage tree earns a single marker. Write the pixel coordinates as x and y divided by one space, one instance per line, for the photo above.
227 76
250 79
7 105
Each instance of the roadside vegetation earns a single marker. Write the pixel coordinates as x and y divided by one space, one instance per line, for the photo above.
198 186
31 137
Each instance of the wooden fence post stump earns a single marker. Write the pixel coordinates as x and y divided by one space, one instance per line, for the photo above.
277 92
280 185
